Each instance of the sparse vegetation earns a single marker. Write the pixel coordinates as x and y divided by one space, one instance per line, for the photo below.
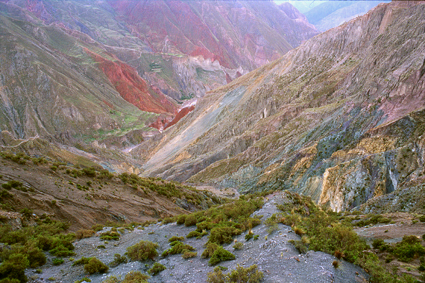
328 233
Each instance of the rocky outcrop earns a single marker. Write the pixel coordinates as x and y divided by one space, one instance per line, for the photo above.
338 118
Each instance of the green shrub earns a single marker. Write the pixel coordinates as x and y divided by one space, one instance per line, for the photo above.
190 220
188 254
135 277
422 218
142 251
57 261
81 261
221 235
84 233
177 247
250 274
219 255
156 268
85 279
209 250
181 219
5 194
238 246
61 251
373 219
7 280
193 234
175 238
409 248
14 267
249 236
97 227
110 235
217 276
95 266
300 246
35 256
90 172
118 259
240 275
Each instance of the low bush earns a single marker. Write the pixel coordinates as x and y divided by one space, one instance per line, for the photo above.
239 275
373 219
300 246
188 254
190 220
249 236
14 267
181 219
85 279
219 255
81 261
408 249
177 247
57 261
110 235
193 234
142 251
97 227
135 277
209 250
156 268
61 251
118 259
95 266
223 235
238 246
175 238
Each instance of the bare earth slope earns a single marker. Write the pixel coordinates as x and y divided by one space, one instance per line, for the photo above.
99 70
339 118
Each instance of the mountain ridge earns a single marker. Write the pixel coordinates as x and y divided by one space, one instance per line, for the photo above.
292 118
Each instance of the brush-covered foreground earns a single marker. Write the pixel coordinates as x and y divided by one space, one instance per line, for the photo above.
285 235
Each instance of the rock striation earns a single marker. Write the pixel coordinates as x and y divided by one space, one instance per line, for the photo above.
340 118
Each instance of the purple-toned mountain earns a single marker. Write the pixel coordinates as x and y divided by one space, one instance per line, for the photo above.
150 54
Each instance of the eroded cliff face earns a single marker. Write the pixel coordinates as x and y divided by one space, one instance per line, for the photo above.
338 118
68 66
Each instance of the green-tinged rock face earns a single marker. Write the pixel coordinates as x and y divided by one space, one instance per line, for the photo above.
339 118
